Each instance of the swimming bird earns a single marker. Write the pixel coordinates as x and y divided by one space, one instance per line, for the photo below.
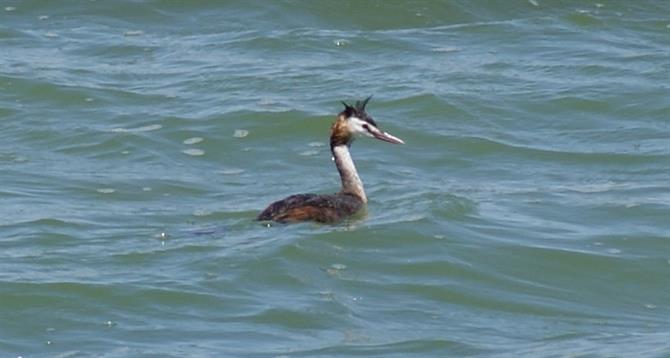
330 208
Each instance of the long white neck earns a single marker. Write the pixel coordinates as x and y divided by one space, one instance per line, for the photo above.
351 182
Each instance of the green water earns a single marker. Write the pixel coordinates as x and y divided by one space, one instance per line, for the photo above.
526 215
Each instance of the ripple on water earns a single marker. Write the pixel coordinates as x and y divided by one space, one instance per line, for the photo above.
151 127
133 33
309 153
231 171
518 162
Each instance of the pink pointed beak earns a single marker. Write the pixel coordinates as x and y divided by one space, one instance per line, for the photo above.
387 137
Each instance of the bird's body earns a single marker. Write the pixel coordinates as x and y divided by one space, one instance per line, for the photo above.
351 198
325 208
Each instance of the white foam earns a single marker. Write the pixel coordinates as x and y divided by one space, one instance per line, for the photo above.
201 212
338 266
240 133
341 42
193 140
105 190
193 151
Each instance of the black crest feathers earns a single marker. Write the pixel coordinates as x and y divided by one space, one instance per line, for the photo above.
358 110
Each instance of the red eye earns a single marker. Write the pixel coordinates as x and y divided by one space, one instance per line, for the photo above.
365 126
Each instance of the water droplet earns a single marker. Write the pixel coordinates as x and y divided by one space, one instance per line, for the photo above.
43 17
162 236
10 8
338 266
241 133
316 144
146 188
193 151
51 35
193 140
88 99
106 190
534 2
650 306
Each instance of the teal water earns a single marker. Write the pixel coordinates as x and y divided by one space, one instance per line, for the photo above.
527 215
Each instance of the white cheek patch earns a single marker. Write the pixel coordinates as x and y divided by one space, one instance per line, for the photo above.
357 126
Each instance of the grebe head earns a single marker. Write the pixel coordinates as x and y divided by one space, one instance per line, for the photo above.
354 120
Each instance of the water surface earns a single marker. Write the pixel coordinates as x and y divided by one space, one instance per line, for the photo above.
527 215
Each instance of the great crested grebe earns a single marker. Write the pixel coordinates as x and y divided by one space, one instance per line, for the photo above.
330 208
